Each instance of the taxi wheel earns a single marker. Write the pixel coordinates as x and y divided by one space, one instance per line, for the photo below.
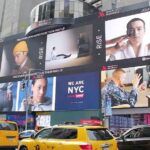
23 148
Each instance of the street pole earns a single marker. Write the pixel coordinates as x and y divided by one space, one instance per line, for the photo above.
27 99
27 93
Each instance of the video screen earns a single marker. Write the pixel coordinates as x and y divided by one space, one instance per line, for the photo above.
78 91
76 47
36 94
69 48
125 88
60 50
127 37
21 55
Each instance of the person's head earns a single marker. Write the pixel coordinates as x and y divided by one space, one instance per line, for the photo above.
39 87
20 52
136 30
119 76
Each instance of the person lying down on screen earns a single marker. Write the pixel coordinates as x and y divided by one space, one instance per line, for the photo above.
132 44
38 101
55 56
115 92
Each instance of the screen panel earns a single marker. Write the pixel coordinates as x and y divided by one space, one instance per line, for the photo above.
21 55
127 38
36 95
77 92
125 88
57 51
31 95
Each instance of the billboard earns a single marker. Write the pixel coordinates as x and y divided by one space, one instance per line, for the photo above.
61 50
125 88
37 94
21 55
127 38
77 92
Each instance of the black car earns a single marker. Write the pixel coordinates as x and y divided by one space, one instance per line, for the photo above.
136 138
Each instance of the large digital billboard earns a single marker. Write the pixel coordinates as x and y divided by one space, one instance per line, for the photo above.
127 37
78 91
125 88
37 94
61 50
21 55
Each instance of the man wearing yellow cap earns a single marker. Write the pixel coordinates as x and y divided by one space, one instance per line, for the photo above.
23 62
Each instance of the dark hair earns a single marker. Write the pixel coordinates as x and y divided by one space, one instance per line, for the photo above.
133 20
33 81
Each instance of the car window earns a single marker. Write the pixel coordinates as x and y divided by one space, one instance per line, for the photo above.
63 133
99 134
29 133
43 134
8 126
135 133
145 132
138 133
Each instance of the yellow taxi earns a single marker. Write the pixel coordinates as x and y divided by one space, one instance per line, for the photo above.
70 137
9 135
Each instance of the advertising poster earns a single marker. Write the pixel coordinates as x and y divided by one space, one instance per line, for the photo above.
21 55
77 92
127 38
36 95
125 88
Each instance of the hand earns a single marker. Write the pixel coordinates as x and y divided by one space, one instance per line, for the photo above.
143 86
136 80
121 43
115 40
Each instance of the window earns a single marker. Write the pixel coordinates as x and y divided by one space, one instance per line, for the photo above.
44 134
8 126
63 133
99 134
146 132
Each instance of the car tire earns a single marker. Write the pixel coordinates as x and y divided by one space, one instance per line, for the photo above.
23 148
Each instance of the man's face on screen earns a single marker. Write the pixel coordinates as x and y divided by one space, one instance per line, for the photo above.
20 57
136 31
121 78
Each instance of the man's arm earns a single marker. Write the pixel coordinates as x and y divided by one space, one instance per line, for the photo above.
119 44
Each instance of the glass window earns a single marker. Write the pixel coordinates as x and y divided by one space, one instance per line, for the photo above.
52 9
99 134
145 132
43 134
40 13
33 16
8 126
43 12
131 134
63 133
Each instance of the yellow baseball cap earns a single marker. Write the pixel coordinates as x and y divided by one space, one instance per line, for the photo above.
21 47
